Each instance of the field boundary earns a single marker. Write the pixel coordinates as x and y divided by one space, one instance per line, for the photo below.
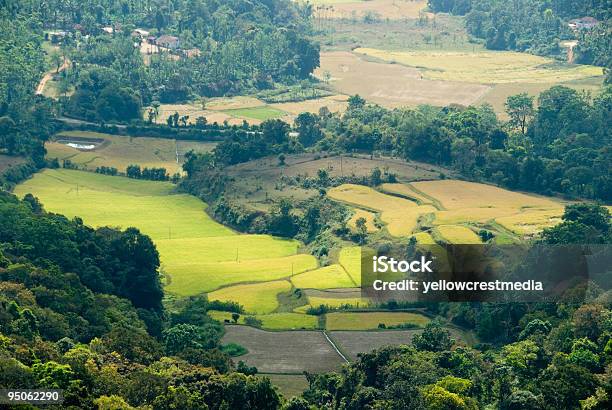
335 347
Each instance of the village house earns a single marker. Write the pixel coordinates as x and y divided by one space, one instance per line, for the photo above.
583 23
170 42
140 33
56 37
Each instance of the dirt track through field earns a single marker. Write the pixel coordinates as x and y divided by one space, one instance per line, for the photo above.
49 76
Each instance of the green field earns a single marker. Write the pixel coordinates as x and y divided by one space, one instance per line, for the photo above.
273 321
328 277
257 298
197 253
371 320
256 113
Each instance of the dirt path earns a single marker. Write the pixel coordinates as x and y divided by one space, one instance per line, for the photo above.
49 76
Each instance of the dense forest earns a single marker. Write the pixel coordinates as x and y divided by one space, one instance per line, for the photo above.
25 119
536 26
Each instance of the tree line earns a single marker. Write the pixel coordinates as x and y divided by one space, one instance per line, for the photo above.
559 145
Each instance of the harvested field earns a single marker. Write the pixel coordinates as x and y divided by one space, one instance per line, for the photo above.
258 298
531 222
7 162
369 220
334 103
454 194
354 342
400 215
371 320
256 183
407 191
486 67
290 385
499 93
301 350
393 85
458 234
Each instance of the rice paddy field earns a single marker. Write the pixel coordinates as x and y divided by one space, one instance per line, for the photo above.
197 254
452 210
369 220
400 215
121 151
371 320
328 277
458 234
486 67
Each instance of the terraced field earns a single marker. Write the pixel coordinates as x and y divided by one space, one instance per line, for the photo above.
400 215
452 210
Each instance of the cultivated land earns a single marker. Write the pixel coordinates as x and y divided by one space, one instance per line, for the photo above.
452 210
197 253
369 220
371 320
358 9
328 277
458 234
284 352
256 183
352 343
121 151
486 67
430 59
236 110
256 298
393 85
400 215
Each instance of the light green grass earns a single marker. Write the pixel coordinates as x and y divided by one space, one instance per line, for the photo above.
370 320
258 298
197 253
328 277
198 274
256 113
273 321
